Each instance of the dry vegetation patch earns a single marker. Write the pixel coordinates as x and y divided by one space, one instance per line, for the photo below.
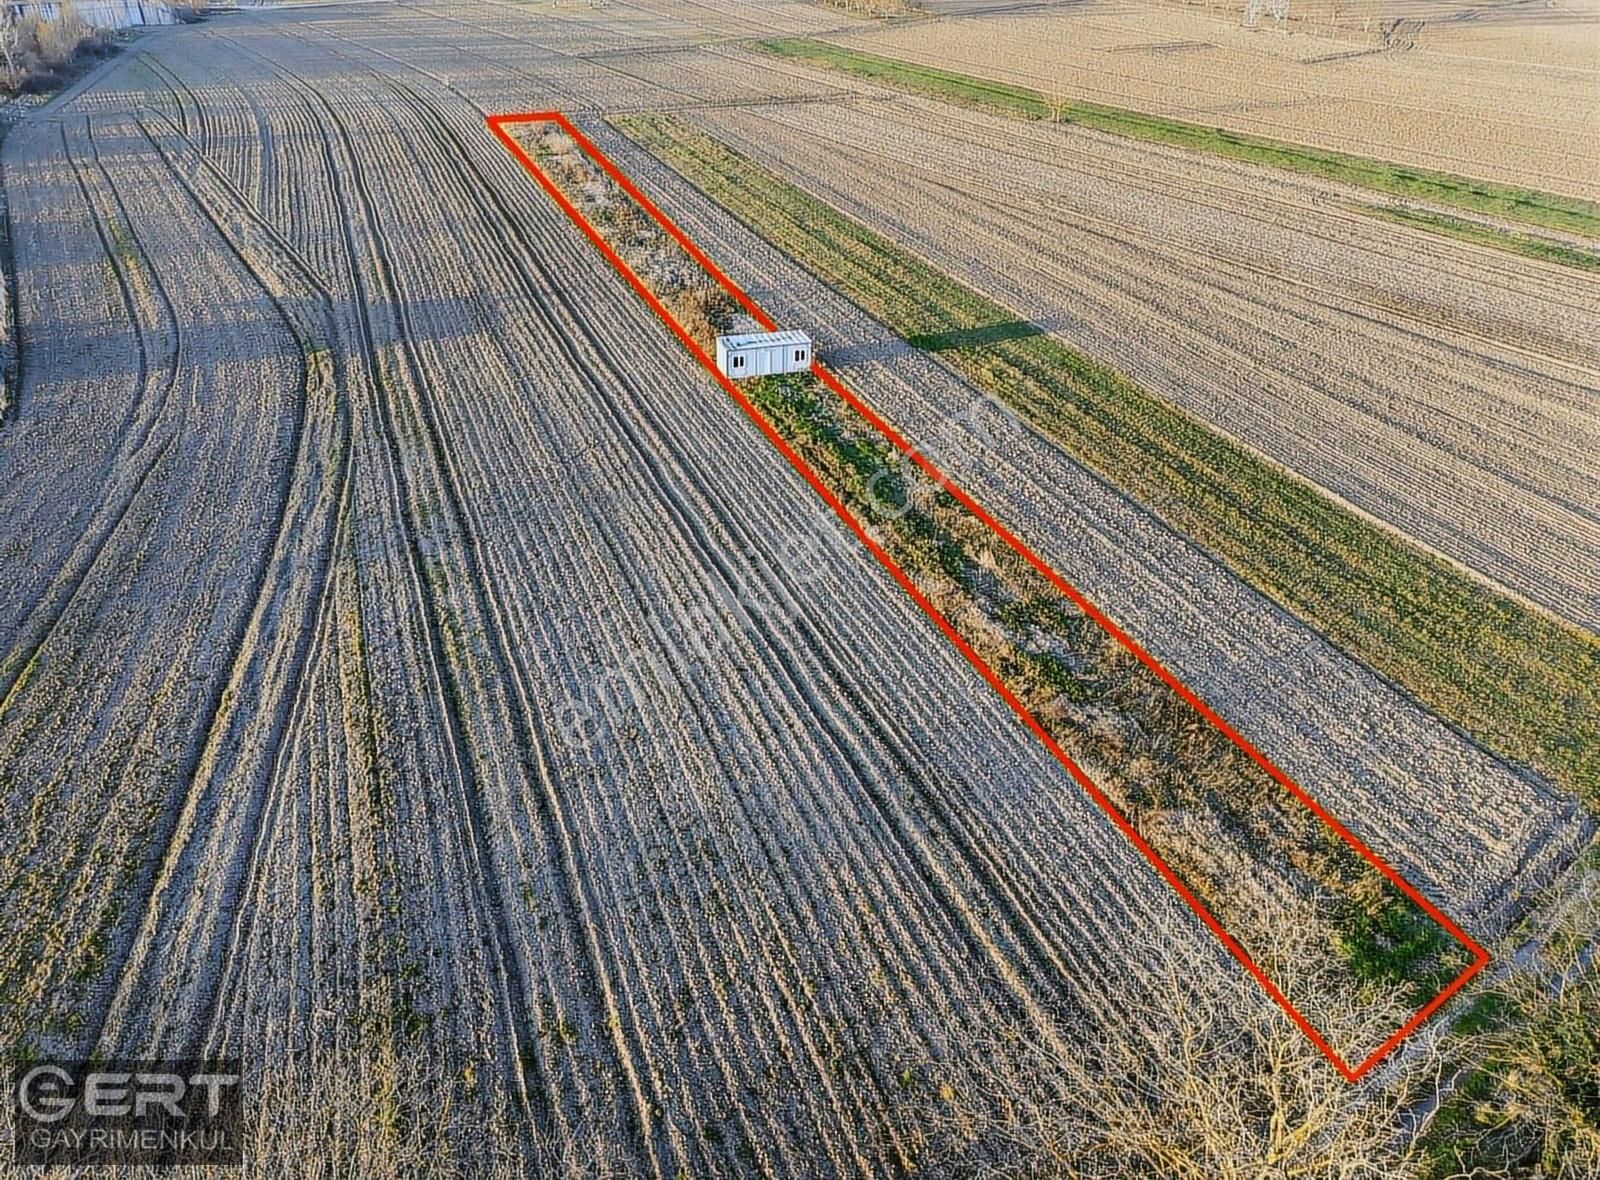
1527 1103
38 53
699 304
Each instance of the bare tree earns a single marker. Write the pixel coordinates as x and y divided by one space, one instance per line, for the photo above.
1057 94
1220 1085
1208 1080
11 42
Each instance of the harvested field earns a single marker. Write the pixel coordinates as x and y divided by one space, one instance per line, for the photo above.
1340 574
1416 378
1528 115
1239 843
418 680
1508 202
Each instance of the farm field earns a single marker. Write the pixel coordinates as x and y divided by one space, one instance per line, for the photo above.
1505 93
1090 695
1366 358
420 681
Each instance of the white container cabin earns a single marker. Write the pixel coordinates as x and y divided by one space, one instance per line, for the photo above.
761 354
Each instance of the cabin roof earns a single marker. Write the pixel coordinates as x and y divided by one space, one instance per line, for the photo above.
740 340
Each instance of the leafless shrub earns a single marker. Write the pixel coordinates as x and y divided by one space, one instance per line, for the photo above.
705 311
1058 100
876 7
34 52
1218 1085
702 307
60 39
1057 92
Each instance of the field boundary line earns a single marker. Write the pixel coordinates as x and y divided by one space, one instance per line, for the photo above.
498 125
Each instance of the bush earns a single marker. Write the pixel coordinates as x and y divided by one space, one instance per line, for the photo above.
877 7
36 55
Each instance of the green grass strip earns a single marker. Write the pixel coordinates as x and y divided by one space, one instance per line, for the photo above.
1528 245
1521 683
1550 210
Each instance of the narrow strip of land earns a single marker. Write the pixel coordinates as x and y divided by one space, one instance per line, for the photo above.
1534 246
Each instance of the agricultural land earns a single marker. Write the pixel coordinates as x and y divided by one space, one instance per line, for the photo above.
1133 709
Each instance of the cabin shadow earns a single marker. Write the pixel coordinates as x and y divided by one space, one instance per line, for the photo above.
983 334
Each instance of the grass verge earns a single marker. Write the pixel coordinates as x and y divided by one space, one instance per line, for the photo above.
1550 210
1528 245
1524 685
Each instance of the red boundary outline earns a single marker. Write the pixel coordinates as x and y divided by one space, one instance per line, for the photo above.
497 125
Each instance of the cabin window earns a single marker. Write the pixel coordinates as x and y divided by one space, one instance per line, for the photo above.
799 354
738 362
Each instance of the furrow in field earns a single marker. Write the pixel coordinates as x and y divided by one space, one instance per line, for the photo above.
524 717
230 783
440 366
1388 419
123 758
1509 121
1353 742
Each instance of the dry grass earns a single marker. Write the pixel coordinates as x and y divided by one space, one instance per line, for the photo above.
705 310
36 54
702 307
1529 1105
743 913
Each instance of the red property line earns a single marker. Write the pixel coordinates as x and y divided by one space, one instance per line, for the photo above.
498 124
